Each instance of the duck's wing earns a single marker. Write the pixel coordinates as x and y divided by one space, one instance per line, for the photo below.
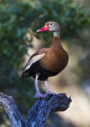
34 58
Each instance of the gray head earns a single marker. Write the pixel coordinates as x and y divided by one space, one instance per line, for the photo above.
50 26
53 26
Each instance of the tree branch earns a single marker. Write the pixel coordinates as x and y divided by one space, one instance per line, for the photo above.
12 110
39 113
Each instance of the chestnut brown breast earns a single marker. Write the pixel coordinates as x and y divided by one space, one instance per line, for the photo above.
56 58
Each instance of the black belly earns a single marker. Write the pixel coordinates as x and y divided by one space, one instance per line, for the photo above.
37 68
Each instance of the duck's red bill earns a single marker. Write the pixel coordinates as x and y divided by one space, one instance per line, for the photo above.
45 28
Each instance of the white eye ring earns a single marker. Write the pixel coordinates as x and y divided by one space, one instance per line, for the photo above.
51 24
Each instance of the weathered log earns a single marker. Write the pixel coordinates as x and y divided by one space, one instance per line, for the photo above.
39 113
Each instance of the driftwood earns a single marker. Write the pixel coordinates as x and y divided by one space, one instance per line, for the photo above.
39 113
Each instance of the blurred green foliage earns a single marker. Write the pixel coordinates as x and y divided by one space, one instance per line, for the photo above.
18 18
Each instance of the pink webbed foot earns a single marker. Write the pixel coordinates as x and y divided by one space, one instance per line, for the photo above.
39 95
49 92
47 89
52 93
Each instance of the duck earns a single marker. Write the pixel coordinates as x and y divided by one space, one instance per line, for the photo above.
47 62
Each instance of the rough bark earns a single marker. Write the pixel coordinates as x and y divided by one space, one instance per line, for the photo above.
39 113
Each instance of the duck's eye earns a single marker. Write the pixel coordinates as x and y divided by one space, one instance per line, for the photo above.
50 23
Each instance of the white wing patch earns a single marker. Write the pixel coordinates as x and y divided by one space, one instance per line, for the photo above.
33 60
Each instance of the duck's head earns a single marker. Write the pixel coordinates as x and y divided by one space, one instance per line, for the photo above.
50 26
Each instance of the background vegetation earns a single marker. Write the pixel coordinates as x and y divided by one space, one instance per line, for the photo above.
19 17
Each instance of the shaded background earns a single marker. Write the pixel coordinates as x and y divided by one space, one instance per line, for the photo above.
19 21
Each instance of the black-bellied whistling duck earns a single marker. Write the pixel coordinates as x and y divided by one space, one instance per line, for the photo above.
47 61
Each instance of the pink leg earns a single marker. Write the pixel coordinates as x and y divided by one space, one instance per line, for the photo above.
47 89
38 94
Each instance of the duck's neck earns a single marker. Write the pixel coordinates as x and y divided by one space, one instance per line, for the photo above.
56 39
57 33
